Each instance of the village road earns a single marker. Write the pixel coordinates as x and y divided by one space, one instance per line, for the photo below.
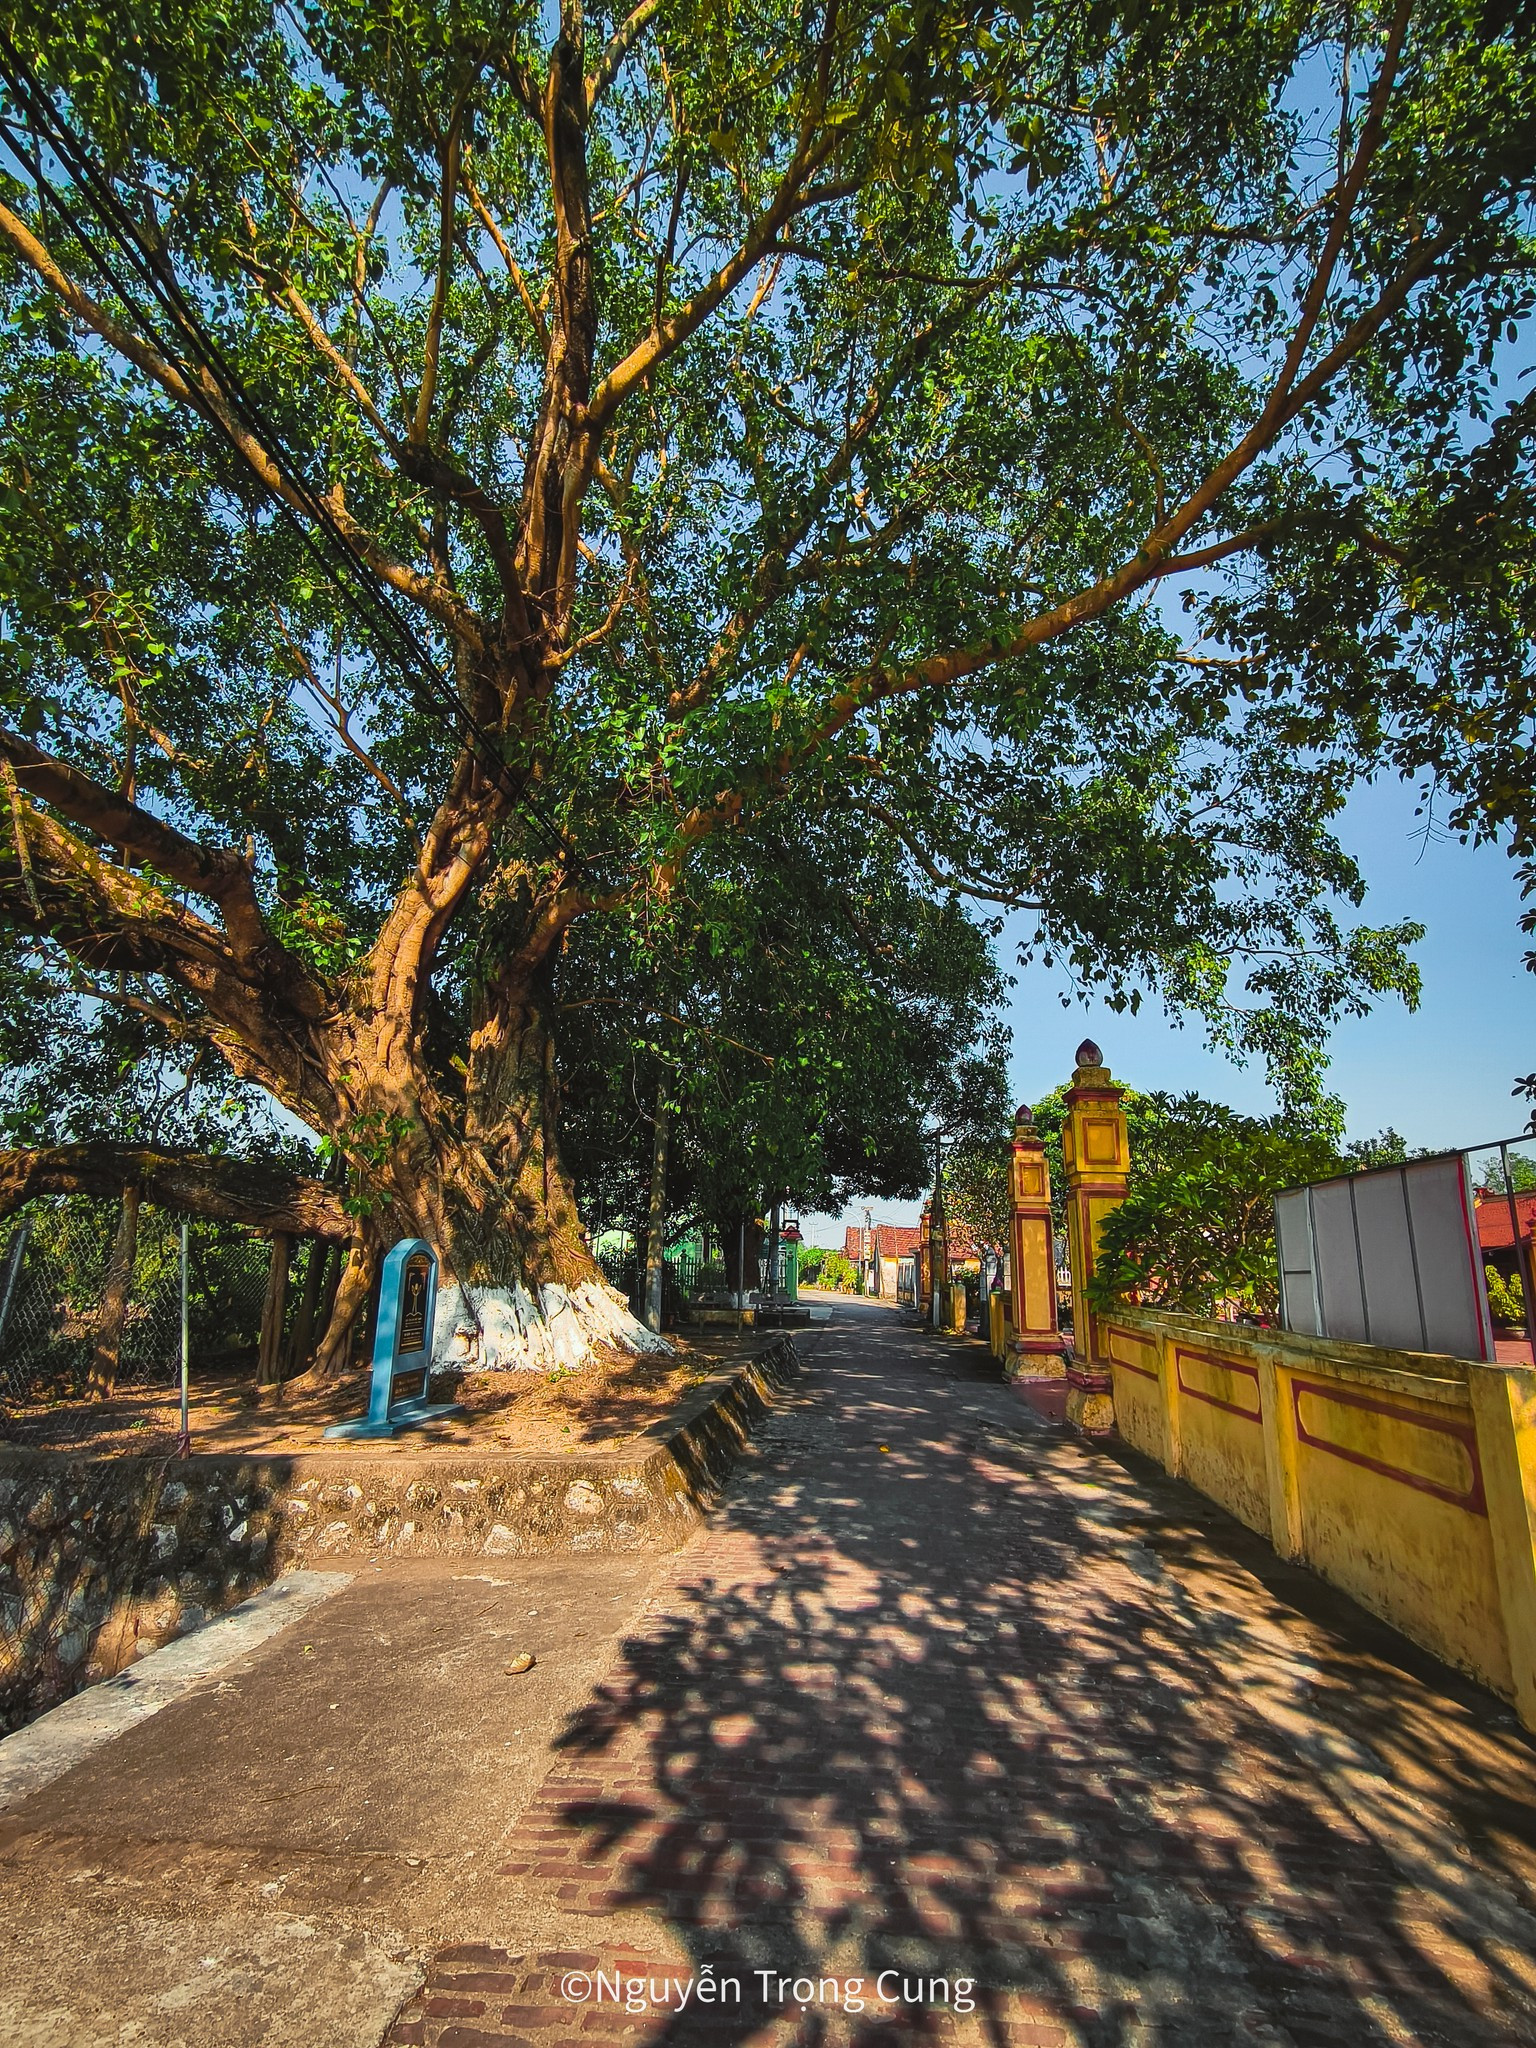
943 1698
939 1698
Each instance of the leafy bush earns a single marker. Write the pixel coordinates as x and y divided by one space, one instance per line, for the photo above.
1506 1298
822 1268
1197 1227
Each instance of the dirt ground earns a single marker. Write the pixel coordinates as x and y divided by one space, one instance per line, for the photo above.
525 1413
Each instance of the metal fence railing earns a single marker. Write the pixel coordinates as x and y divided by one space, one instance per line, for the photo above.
53 1263
686 1277
1503 1177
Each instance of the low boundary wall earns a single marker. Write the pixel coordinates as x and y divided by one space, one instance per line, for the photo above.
1404 1478
102 1559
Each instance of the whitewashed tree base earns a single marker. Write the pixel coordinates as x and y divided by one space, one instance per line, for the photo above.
504 1329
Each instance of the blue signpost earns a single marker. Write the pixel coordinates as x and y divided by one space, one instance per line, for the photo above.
402 1344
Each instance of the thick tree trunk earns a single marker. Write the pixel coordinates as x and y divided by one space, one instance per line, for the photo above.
739 1236
114 1297
656 1221
269 1357
302 1336
333 1355
480 1179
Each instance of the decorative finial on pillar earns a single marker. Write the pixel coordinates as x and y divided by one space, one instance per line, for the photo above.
1088 1054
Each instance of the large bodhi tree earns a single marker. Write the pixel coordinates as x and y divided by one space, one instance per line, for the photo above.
457 462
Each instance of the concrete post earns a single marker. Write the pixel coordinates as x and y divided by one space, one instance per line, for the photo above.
1504 1412
1037 1348
1096 1154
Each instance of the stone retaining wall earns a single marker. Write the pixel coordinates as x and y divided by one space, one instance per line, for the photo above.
102 1559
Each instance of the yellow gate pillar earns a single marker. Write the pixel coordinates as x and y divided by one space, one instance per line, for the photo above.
924 1254
1096 1153
1037 1346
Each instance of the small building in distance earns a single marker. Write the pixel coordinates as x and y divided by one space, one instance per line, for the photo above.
1496 1236
877 1251
887 1256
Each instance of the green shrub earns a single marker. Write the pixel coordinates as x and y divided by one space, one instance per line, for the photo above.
1197 1227
1506 1298
822 1268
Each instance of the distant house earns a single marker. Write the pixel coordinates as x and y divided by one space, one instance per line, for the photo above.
1496 1235
877 1250
887 1255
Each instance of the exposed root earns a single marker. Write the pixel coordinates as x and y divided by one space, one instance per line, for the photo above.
504 1329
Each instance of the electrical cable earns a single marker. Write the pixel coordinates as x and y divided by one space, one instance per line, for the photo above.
359 582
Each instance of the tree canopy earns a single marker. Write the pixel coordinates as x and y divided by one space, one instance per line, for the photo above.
454 466
1197 1226
801 1010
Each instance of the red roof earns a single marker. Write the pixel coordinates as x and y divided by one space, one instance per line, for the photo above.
1495 1231
898 1240
892 1240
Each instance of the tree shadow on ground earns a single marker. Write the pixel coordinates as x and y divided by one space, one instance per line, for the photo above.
924 1707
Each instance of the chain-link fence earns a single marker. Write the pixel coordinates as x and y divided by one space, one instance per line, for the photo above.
624 1270
54 1256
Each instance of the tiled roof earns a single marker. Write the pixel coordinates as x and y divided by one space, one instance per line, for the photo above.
902 1241
1495 1230
898 1240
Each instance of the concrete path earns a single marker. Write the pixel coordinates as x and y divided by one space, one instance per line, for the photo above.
269 1859
946 1700
939 1699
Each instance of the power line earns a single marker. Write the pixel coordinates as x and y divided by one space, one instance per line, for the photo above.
359 583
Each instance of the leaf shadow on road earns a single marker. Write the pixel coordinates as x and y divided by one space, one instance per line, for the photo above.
923 1706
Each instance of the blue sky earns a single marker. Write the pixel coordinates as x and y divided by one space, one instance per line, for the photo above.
1441 1076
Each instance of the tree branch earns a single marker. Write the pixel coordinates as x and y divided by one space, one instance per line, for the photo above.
218 873
1344 205
332 701
620 43
434 339
667 335
943 878
253 1192
488 222
771 576
1153 561
202 397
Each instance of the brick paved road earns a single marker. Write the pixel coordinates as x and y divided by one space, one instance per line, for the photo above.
942 1694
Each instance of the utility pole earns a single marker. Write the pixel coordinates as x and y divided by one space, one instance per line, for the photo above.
938 1241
